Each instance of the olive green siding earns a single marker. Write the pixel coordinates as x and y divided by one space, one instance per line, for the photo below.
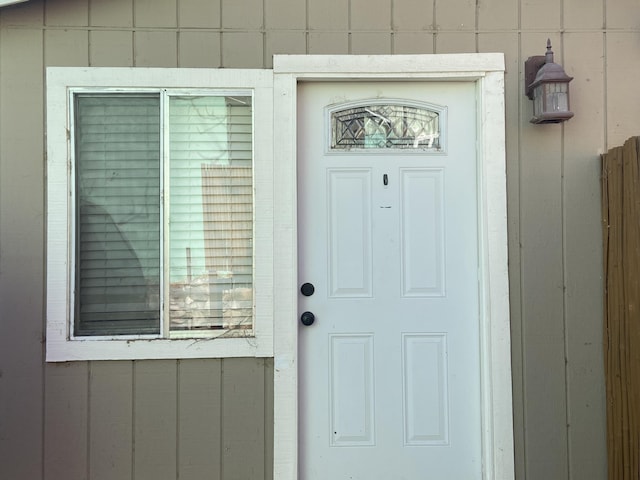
214 418
190 419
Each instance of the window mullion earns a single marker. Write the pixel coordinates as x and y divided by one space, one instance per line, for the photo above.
164 214
74 217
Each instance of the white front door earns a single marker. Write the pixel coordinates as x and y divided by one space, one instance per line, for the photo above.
389 370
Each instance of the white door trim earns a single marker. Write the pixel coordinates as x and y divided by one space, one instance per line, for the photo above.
486 70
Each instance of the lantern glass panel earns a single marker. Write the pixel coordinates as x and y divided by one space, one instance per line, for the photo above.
557 98
538 107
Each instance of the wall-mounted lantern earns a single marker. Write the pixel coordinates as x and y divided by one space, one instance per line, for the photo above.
547 84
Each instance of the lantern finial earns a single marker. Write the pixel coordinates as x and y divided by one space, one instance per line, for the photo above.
549 54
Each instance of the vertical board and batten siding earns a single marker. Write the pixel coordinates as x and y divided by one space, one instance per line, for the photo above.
213 418
21 250
187 419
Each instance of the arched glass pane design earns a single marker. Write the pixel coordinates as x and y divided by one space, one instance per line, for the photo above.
385 126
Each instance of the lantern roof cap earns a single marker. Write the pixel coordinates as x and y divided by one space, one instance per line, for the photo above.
550 71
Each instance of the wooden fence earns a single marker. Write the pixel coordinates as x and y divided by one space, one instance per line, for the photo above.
621 236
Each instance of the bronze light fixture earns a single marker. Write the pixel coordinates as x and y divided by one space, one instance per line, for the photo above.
547 85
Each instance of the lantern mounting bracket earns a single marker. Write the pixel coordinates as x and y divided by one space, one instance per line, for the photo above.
531 67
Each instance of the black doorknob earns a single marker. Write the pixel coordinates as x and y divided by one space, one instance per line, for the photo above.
307 318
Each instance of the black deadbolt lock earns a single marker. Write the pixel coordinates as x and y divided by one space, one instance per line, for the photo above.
307 289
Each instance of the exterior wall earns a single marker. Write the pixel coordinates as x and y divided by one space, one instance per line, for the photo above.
190 419
153 419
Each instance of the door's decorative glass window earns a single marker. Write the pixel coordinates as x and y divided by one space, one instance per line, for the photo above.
385 126
164 208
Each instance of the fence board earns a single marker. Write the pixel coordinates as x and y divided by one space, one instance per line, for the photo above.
621 241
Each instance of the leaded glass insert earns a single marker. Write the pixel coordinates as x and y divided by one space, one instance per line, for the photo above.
385 126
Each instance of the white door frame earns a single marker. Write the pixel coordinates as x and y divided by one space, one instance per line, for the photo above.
486 70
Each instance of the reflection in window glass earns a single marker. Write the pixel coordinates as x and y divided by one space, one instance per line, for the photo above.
117 156
164 236
211 219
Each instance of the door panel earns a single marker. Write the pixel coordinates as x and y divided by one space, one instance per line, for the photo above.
424 369
389 371
422 232
349 230
351 390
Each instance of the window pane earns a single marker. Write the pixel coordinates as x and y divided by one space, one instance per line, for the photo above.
117 139
385 126
211 213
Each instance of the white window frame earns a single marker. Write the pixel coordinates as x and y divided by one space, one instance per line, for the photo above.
61 81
